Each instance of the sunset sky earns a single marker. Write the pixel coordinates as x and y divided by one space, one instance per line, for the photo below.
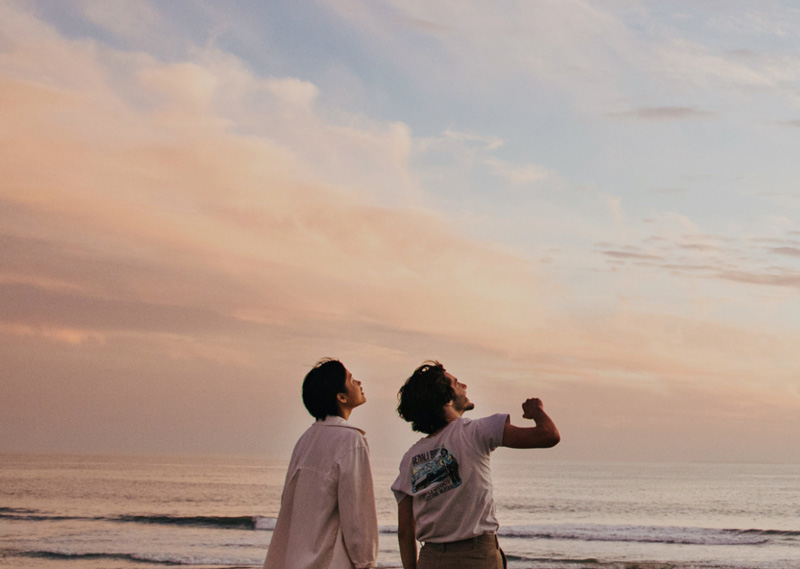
595 203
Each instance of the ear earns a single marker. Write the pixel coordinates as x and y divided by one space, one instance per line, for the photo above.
341 398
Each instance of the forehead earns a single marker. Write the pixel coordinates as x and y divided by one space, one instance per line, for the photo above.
451 377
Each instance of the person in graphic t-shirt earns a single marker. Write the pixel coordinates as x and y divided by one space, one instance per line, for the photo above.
327 518
444 488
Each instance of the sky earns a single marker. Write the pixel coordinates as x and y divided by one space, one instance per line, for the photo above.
594 203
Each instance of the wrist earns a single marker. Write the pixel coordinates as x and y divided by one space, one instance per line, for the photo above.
536 414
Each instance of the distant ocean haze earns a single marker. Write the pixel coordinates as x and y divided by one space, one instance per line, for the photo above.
93 512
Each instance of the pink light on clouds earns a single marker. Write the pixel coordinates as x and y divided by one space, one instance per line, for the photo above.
180 239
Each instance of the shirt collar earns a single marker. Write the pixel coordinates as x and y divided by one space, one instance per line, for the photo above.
336 421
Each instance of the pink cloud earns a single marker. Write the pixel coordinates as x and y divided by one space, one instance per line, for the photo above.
193 222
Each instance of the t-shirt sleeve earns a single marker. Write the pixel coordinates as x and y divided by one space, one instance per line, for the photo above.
489 430
401 486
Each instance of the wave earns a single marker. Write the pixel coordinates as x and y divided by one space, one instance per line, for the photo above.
138 557
169 560
648 534
227 563
5 510
60 555
264 523
225 522
578 532
39 516
261 523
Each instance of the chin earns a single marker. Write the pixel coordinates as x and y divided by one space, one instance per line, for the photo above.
469 406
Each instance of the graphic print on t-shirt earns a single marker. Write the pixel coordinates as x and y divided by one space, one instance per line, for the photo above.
434 472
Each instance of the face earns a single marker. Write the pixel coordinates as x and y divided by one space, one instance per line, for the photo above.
461 402
353 393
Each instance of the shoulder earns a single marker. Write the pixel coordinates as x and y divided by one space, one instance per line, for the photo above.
491 423
422 447
338 425
485 433
419 446
338 432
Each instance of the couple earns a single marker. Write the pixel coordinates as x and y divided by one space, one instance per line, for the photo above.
444 490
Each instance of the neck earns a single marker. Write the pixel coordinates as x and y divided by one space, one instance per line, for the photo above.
450 415
344 412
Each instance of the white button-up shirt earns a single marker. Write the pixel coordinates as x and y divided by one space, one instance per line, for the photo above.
327 518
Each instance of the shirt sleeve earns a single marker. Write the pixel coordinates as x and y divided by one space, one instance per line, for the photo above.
401 484
357 515
489 430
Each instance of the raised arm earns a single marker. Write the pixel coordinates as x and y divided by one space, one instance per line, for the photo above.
543 435
405 533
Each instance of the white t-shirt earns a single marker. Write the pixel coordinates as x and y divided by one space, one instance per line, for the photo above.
449 478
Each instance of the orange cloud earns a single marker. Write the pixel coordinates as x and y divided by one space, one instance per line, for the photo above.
195 214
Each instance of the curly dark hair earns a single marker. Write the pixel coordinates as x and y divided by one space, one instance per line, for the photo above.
423 397
321 386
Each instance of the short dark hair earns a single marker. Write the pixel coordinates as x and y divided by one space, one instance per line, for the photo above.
423 397
321 386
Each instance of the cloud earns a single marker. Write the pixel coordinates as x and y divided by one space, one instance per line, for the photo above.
456 139
422 25
783 279
198 217
479 151
517 175
197 229
126 18
665 113
549 42
631 255
597 57
677 249
788 251
165 219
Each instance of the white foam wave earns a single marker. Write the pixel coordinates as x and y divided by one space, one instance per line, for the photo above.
640 534
155 558
264 523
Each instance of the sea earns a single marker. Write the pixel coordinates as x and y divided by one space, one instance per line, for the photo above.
109 512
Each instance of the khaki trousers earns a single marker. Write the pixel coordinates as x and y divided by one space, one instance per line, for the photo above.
482 552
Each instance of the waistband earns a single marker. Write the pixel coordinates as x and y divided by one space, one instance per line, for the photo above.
487 539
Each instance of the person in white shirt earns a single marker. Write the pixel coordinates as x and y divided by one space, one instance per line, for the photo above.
444 488
327 518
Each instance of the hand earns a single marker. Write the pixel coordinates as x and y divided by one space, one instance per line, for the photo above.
531 408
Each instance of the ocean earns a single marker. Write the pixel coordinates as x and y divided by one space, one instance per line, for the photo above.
107 512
